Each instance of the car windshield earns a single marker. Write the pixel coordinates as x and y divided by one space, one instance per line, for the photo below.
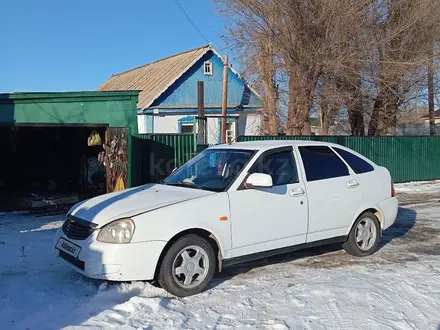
212 169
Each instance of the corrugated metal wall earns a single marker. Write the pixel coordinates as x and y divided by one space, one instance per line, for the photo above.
184 145
408 158
155 155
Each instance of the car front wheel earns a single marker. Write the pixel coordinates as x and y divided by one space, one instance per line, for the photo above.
364 236
188 266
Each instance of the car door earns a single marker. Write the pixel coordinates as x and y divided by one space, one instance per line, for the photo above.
333 192
263 219
375 188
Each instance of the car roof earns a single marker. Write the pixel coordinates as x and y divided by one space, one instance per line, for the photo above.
270 144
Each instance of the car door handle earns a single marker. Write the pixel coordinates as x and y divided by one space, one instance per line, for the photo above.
352 184
296 192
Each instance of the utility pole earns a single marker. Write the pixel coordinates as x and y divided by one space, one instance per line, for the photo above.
201 112
224 99
431 93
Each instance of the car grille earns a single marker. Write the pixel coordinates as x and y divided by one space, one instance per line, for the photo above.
78 229
76 262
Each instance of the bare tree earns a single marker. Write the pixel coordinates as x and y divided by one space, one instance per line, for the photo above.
431 109
404 32
266 69
252 40
364 58
341 94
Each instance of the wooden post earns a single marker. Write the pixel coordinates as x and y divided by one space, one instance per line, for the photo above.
201 112
108 171
224 99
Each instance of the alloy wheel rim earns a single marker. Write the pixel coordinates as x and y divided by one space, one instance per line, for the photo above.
366 234
190 266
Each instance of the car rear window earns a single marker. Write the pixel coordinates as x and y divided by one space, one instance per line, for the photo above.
320 163
357 164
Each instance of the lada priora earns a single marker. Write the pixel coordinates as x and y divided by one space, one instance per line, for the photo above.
230 204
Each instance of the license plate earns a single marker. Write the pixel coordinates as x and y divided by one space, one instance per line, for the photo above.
68 247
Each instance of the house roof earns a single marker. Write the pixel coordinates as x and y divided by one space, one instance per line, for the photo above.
155 78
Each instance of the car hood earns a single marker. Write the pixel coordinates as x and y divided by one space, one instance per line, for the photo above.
130 202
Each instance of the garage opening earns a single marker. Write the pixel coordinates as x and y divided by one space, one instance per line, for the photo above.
50 167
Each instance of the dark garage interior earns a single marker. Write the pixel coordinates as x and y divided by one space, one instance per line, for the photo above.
49 166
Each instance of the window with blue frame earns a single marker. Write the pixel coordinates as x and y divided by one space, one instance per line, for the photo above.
186 125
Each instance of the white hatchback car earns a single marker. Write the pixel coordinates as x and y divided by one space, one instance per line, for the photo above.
227 205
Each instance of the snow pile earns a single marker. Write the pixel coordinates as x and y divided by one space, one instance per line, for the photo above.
396 288
426 187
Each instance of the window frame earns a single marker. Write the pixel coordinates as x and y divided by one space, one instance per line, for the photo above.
349 169
205 72
270 152
186 125
335 149
240 172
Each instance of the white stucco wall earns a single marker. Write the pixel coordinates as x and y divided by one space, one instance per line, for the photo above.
166 124
247 124
142 129
212 130
250 124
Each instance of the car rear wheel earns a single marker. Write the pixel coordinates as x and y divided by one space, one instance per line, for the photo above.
188 266
364 237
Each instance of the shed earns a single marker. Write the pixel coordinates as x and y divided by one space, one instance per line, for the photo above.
57 145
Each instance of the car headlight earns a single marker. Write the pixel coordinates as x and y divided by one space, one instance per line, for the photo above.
118 232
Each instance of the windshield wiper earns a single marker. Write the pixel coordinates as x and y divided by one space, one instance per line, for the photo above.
184 184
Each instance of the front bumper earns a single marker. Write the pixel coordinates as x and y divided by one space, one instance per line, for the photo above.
114 262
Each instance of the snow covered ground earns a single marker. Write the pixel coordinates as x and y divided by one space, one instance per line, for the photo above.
425 187
324 288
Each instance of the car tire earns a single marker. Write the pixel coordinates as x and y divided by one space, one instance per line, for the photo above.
364 236
188 266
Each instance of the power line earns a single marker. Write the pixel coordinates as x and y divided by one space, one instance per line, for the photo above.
191 21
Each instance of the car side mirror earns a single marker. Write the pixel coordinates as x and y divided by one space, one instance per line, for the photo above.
259 180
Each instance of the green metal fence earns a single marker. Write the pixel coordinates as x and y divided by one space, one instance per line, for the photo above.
408 158
184 145
155 155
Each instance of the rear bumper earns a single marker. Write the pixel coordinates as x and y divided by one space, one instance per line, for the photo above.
389 208
114 262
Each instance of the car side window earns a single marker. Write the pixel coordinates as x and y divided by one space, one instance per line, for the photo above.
320 163
357 164
280 166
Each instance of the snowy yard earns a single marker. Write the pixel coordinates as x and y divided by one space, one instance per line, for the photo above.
324 288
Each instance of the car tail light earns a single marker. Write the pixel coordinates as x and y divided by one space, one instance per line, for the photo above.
393 191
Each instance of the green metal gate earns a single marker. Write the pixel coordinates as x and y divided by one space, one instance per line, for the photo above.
156 155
